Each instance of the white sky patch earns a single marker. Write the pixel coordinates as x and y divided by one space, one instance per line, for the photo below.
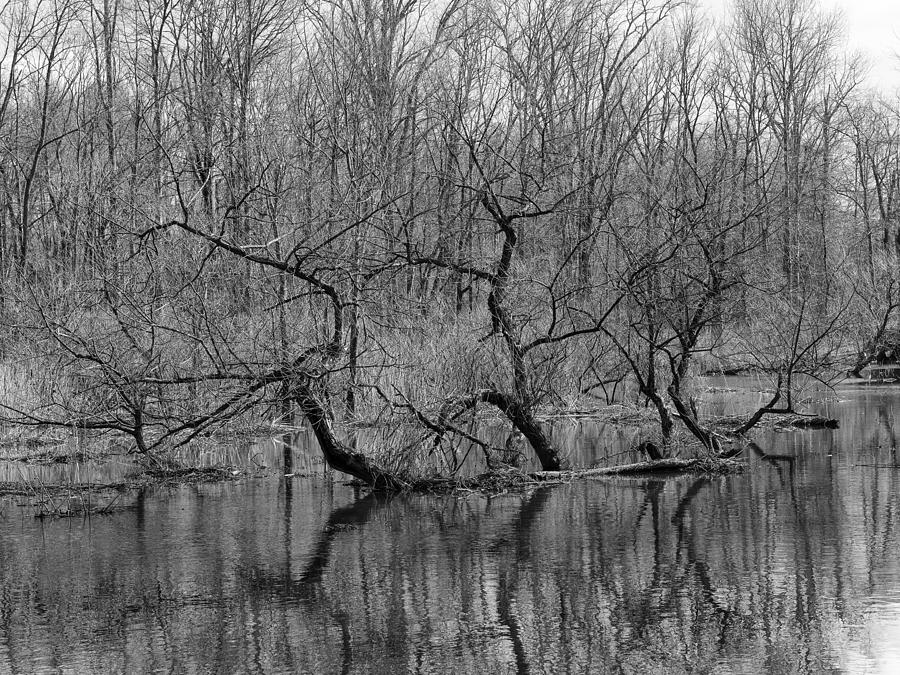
872 29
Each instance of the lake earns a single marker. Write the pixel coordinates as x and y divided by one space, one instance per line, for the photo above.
790 567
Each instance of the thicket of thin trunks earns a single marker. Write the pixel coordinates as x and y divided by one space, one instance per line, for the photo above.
402 210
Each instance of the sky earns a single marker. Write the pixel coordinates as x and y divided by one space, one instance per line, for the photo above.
873 29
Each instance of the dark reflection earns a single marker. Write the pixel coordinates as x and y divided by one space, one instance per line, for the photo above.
791 567
782 464
287 460
508 581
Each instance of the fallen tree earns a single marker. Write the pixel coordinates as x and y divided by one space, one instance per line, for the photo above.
668 465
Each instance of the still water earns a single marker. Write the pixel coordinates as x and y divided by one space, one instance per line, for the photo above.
793 566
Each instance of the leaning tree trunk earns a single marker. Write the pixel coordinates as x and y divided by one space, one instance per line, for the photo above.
518 408
522 418
337 454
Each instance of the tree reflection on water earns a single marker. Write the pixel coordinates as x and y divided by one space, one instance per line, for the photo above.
791 567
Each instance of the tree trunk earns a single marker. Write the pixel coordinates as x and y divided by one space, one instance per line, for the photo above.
337 455
523 419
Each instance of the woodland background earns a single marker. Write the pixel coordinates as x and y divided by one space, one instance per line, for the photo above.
401 212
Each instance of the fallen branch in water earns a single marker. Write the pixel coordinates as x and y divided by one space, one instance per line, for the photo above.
736 426
660 466
807 422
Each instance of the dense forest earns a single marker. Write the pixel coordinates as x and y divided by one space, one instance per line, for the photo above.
409 213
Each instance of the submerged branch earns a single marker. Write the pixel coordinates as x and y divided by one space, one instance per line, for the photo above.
672 465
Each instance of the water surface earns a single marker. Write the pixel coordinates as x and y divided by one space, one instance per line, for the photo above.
791 567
